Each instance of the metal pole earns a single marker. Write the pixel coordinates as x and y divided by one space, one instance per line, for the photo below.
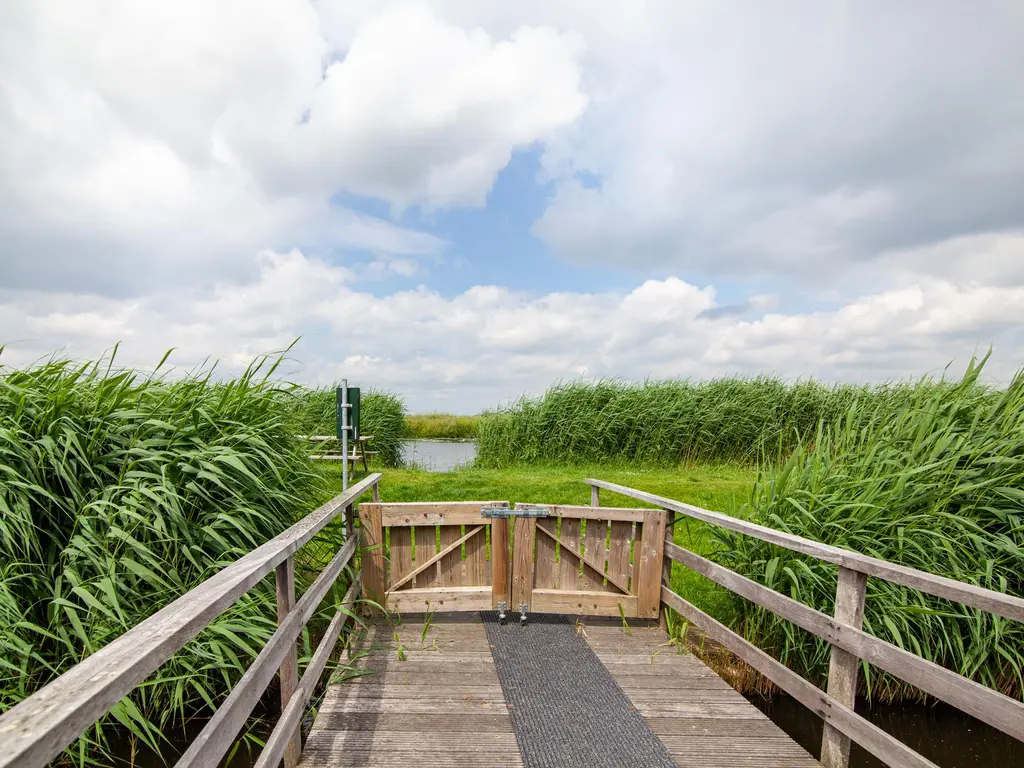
344 434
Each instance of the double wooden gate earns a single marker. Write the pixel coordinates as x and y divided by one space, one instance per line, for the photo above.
470 556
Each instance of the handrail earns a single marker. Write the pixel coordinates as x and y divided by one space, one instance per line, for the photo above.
36 730
1004 605
849 643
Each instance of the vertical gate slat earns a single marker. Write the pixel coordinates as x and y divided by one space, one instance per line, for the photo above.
373 552
634 556
618 550
426 548
401 554
500 572
476 560
595 551
451 564
522 569
545 565
569 567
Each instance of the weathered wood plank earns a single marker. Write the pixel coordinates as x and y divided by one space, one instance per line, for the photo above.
476 559
568 565
500 572
372 553
1008 606
426 550
987 705
401 556
843 667
627 514
451 563
595 552
435 513
619 544
290 720
428 710
592 603
36 730
545 565
440 599
648 564
450 547
220 732
874 739
288 672
592 571
522 561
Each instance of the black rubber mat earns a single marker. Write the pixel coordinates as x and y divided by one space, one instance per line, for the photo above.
567 710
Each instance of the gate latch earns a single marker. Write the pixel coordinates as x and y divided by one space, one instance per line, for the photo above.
530 510
495 512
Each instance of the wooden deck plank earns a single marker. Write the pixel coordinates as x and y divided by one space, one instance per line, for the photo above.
443 705
697 715
440 706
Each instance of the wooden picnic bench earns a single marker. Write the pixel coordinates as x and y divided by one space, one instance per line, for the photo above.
359 450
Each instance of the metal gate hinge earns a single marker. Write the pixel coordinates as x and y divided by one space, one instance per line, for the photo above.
523 607
501 612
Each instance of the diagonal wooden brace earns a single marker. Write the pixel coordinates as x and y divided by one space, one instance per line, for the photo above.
451 547
589 564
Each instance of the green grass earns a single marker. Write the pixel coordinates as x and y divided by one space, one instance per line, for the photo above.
755 421
441 426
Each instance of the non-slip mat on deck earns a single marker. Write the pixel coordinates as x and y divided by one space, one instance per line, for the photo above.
566 709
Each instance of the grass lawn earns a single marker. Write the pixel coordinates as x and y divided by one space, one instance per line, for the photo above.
722 488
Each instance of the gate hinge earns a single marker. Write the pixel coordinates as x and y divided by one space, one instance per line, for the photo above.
523 607
501 612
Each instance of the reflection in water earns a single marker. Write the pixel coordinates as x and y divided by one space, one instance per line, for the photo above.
438 455
945 736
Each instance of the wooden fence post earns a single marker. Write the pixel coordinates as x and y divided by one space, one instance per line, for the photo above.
647 563
843 666
595 496
666 563
289 670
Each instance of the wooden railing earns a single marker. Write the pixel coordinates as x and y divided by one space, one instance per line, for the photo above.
850 644
40 727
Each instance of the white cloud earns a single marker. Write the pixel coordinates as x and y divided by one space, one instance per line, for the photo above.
489 344
150 150
165 142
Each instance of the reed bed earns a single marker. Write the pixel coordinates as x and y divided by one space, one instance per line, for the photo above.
382 415
746 420
936 484
441 426
120 492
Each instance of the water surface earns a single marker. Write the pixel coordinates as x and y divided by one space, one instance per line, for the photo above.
438 455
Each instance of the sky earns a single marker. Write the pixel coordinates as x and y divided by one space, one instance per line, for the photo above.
466 201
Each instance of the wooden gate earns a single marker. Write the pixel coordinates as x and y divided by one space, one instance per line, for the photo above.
421 557
598 561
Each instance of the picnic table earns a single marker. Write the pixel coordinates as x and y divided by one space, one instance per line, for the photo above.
358 450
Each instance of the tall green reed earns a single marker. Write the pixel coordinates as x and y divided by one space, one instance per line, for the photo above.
937 484
746 420
120 492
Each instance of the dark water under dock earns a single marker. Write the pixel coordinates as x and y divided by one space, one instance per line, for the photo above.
944 735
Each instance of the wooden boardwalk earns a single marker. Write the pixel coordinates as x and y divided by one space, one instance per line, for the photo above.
443 705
